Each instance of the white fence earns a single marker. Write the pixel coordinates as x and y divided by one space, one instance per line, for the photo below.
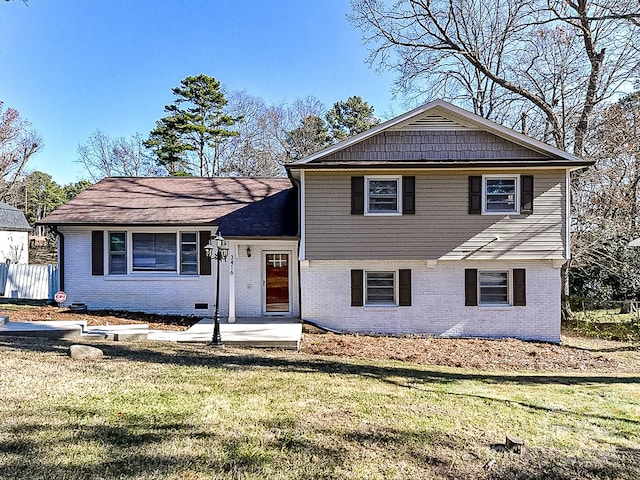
35 282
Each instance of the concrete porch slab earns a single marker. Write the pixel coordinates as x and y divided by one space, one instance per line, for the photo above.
256 334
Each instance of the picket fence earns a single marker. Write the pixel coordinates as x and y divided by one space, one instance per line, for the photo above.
33 282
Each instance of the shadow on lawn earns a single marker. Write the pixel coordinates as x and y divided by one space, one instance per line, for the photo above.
199 355
183 450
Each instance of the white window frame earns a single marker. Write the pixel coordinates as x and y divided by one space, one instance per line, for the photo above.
125 254
516 203
131 272
393 302
398 180
509 301
181 242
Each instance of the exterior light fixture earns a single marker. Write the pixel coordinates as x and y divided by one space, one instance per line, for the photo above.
219 252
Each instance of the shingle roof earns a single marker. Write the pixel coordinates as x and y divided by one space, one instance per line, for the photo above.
12 219
239 206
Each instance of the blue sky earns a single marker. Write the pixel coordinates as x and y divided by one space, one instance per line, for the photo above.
71 66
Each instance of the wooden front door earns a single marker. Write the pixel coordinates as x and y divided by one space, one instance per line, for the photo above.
277 283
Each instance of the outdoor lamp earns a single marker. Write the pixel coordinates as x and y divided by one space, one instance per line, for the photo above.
221 251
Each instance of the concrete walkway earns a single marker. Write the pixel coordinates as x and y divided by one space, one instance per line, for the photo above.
246 332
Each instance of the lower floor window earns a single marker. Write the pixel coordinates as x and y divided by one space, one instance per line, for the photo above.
493 287
154 251
380 288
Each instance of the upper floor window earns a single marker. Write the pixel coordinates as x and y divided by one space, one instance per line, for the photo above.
501 194
383 195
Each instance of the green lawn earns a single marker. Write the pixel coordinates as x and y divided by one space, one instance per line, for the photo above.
163 411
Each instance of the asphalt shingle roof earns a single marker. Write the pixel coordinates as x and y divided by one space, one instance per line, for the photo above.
239 206
12 219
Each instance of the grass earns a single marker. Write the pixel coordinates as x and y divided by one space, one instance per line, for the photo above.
166 411
608 324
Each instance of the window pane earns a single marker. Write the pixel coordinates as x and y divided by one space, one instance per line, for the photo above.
494 288
117 253
188 254
154 251
500 194
380 288
383 196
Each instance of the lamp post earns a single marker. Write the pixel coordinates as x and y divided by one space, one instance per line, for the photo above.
221 251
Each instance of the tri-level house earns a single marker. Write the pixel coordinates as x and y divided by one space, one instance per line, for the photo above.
435 222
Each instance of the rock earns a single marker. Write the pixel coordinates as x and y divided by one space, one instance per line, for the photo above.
83 352
514 444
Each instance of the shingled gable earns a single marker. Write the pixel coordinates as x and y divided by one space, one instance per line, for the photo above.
438 135
239 206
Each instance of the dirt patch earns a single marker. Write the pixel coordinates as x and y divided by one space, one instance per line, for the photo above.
506 354
576 353
20 313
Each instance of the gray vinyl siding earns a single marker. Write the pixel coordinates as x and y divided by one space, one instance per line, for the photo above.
441 229
434 145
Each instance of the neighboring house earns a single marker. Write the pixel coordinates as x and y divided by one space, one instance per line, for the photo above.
138 244
14 235
435 222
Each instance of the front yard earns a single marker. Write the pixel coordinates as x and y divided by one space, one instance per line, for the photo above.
167 411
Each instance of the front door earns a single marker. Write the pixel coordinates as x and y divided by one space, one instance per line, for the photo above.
277 283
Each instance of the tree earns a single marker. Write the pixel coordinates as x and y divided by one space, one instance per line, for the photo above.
310 137
18 143
104 156
349 118
606 211
254 152
541 64
197 124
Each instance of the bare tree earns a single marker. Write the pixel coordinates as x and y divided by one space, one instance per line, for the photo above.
104 156
18 143
539 65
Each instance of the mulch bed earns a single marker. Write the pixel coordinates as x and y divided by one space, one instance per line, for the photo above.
505 354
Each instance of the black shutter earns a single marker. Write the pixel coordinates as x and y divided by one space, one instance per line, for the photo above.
519 287
408 195
526 194
475 194
205 262
357 288
97 252
471 287
357 195
404 290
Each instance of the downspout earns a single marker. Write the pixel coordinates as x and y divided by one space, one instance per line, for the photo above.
296 184
54 229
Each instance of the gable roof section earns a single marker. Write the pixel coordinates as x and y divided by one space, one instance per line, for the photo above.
12 219
238 206
438 135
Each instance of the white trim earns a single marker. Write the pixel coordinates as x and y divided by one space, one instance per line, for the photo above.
398 180
302 193
567 219
509 273
231 314
394 304
516 203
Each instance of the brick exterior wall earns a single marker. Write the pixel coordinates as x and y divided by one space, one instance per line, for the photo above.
173 294
437 301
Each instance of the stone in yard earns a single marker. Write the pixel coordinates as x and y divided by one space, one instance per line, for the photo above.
82 352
